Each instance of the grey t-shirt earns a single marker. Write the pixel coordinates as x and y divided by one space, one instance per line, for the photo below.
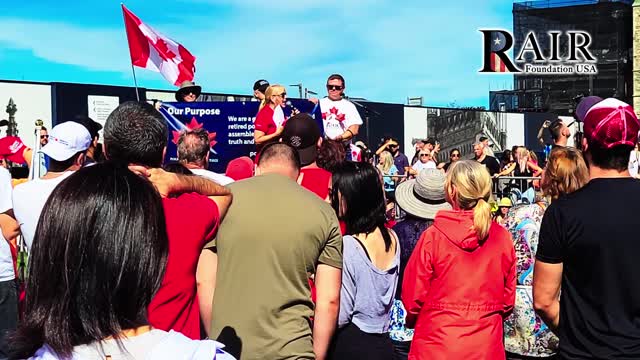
368 307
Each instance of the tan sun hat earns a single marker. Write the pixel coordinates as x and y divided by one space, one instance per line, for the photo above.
423 196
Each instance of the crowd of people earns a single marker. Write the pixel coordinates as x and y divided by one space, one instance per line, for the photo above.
319 248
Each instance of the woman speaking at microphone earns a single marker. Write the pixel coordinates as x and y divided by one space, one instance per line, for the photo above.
267 127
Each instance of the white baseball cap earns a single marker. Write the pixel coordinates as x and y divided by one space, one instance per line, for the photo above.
65 140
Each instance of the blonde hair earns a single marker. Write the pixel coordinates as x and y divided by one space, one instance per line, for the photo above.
387 162
522 157
473 188
274 89
565 173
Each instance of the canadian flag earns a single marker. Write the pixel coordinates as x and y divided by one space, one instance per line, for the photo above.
153 51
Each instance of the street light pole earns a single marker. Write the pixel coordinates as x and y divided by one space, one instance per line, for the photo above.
299 86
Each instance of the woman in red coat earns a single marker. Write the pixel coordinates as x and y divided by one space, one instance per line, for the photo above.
460 281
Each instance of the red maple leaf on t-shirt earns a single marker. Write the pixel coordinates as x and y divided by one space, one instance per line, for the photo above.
334 111
192 125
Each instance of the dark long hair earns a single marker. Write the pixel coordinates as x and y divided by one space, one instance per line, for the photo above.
99 254
360 187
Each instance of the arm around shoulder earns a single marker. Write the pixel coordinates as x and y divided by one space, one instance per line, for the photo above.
223 202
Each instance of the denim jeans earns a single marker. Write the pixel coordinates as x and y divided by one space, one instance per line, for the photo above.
8 312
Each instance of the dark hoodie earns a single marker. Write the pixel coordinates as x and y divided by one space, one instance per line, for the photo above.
458 288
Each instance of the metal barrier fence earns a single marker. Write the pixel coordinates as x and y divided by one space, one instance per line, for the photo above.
519 189
504 186
499 184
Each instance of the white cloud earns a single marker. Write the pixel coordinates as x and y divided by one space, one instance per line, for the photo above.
94 49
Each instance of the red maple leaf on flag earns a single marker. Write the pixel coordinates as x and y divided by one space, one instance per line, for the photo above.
163 50
192 125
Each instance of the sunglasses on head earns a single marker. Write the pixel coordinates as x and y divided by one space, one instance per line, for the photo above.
334 87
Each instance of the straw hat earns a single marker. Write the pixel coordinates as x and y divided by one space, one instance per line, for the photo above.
423 196
187 87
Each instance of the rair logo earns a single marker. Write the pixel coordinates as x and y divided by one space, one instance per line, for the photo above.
578 59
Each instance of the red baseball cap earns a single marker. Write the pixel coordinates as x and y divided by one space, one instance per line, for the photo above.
12 149
610 123
240 168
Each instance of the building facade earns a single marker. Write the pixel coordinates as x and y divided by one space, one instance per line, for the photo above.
609 22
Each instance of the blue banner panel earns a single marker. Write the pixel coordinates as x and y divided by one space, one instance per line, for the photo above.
230 126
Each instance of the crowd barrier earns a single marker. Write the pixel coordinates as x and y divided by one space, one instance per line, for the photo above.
519 189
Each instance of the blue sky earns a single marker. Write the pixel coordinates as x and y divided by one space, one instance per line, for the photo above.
387 50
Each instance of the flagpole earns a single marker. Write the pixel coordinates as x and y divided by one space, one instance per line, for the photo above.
135 81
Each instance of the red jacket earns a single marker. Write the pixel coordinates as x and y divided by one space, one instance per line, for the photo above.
457 290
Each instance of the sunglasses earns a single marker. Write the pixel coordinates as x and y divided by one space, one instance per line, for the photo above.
334 87
283 94
44 136
425 155
455 155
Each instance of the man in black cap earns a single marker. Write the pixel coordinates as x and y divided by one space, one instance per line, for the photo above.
303 133
188 92
259 87
94 153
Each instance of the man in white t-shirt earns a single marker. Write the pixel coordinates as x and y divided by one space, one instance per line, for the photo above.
425 161
8 290
66 149
193 152
340 117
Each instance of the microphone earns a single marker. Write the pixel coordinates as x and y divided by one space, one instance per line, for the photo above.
294 110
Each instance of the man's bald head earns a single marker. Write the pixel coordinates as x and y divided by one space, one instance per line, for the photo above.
279 158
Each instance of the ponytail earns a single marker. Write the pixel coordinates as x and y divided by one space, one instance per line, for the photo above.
482 218
473 184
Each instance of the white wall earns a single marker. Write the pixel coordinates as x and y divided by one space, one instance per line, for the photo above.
515 129
33 102
164 96
415 127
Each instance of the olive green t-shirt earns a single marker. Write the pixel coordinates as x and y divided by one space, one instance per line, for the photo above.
274 234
